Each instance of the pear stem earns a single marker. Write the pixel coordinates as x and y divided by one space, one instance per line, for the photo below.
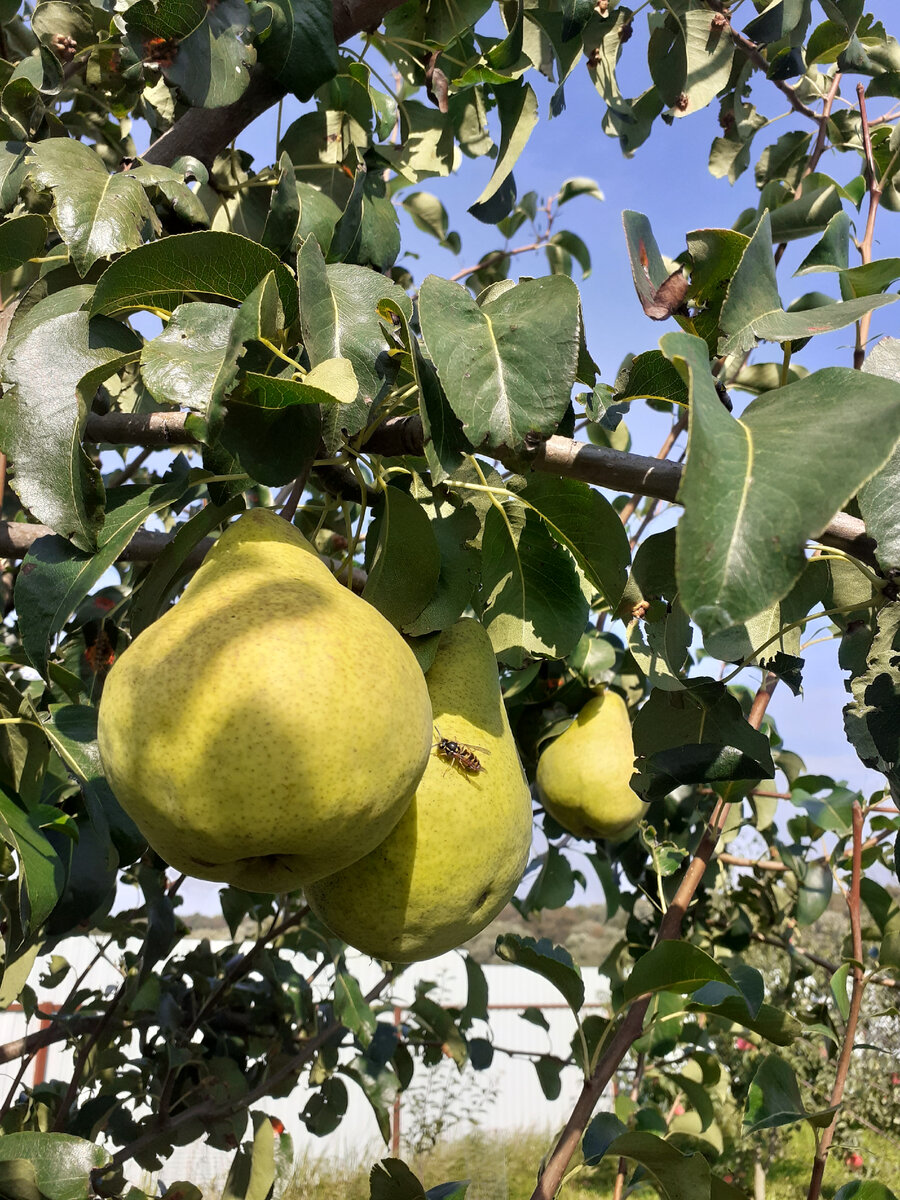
632 1024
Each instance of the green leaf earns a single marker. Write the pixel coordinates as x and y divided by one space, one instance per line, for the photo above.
674 967
351 1009
299 48
283 218
753 308
252 1172
779 18
167 18
553 963
872 720
879 499
833 811
18 1180
584 521
742 480
476 1006
21 238
340 319
455 1190
507 366
212 65
678 1176
430 216
553 886
578 185
810 213
13 169
62 1163
774 1099
831 251
379 1085
838 985
602 1131
188 365
208 262
55 576
870 278
864 1189
170 184
651 376
71 730
517 107
533 603
392 1179
52 364
325 1108
97 214
814 892
705 719
403 559
445 442
16 969
458 575
709 52
774 1024
42 873
273 425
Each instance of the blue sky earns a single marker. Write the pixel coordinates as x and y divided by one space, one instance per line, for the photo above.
667 180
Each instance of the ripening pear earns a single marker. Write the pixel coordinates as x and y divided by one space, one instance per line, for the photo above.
583 776
271 727
458 853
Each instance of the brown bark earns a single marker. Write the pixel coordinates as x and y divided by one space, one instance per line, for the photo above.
562 456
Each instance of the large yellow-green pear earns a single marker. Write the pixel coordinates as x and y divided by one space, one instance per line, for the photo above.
583 776
456 856
271 727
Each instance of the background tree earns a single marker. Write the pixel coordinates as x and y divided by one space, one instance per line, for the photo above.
421 433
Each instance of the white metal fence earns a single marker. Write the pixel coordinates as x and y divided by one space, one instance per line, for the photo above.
506 1097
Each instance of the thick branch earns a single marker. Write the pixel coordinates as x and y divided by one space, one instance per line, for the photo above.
205 132
562 456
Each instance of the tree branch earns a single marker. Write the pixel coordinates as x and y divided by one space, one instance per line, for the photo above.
205 132
562 456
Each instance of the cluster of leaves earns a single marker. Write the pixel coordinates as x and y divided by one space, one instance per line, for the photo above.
406 418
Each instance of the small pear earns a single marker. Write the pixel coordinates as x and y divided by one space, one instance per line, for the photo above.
271 727
583 776
458 853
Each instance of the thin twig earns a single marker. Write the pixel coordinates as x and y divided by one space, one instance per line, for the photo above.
817 150
495 256
854 904
130 469
750 50
874 188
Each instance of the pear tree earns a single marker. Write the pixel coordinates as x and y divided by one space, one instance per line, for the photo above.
203 329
